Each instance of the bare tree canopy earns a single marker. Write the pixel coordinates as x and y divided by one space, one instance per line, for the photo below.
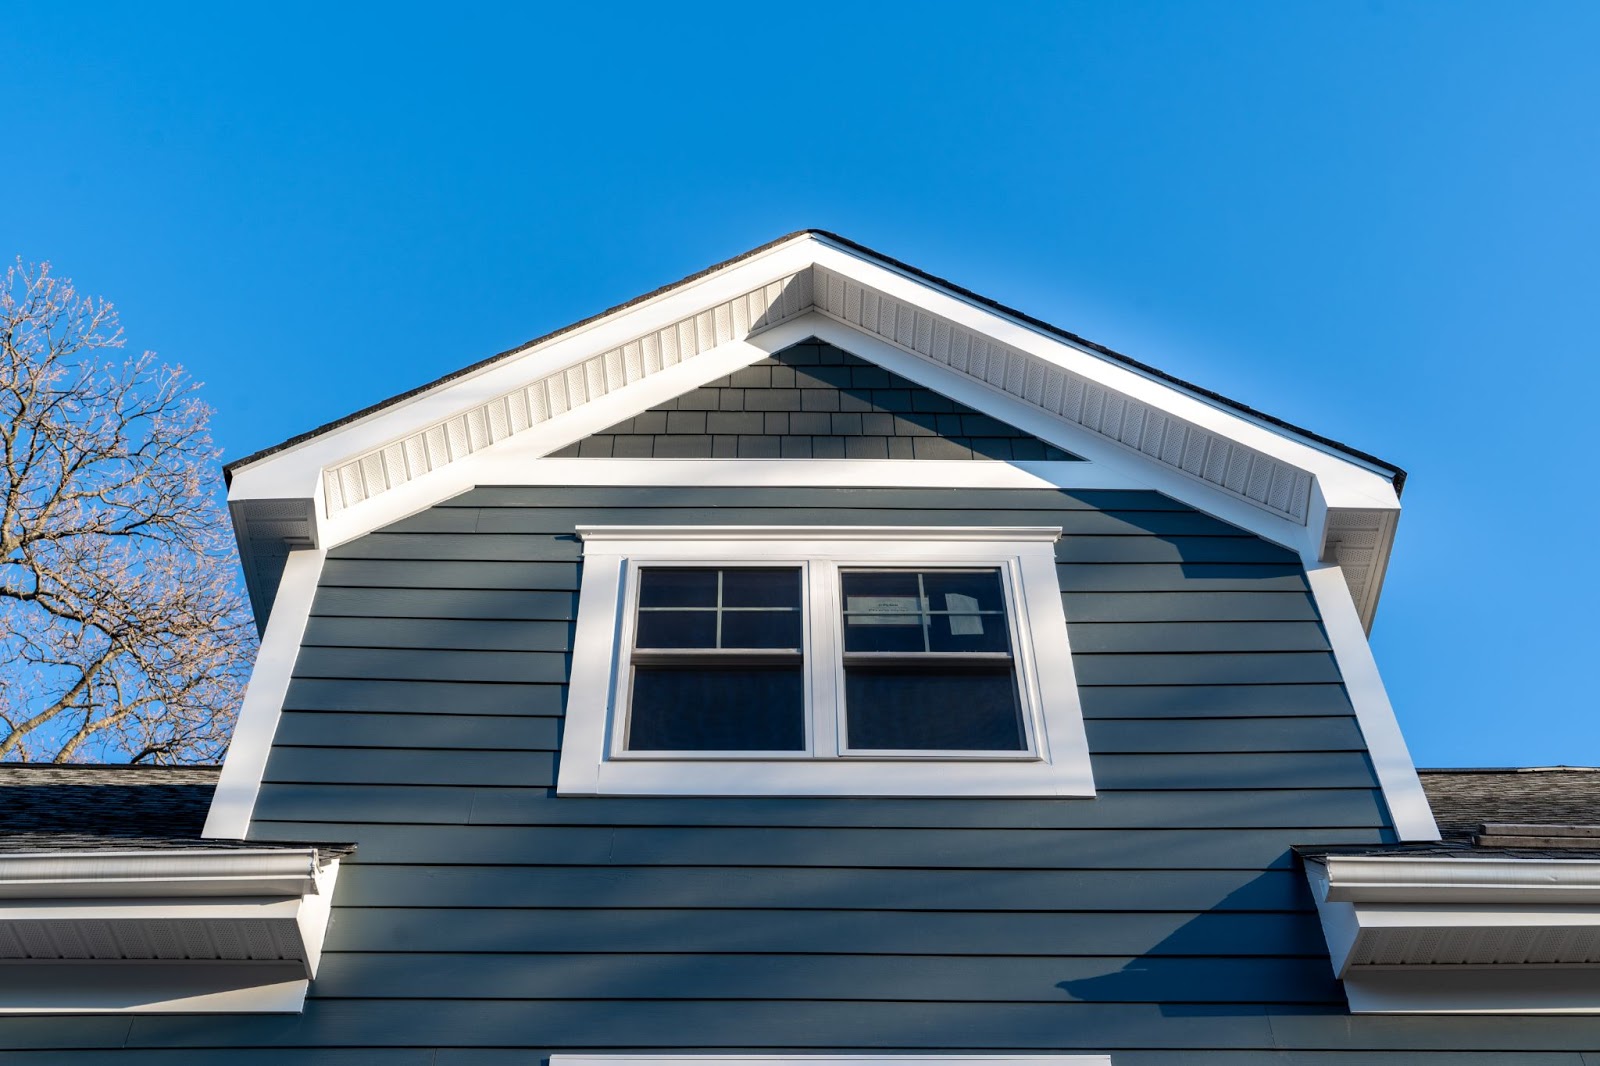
122 630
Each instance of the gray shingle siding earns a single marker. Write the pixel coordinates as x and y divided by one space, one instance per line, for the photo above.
484 922
812 401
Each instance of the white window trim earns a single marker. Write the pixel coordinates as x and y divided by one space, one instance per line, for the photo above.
830 1060
592 762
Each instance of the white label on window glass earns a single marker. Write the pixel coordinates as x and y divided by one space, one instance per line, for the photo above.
964 618
882 610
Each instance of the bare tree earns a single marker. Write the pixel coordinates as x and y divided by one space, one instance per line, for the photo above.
122 629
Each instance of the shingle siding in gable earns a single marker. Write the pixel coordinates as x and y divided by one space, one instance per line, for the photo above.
812 401
484 922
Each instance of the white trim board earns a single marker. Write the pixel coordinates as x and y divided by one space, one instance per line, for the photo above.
246 761
1386 746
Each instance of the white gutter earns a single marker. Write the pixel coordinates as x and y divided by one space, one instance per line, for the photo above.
188 872
1447 879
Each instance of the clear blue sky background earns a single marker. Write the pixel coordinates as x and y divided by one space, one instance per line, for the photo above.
1377 220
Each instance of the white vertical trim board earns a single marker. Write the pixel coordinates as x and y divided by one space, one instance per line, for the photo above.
1391 760
246 763
831 1060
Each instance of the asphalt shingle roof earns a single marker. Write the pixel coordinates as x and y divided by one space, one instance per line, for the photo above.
1462 800
46 807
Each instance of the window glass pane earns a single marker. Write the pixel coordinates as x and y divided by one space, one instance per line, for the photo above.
932 708
968 632
716 709
761 588
676 629
883 632
900 585
963 590
671 587
761 629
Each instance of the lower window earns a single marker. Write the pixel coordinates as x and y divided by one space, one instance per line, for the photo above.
822 661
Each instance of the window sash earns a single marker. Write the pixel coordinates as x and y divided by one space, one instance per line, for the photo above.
823 658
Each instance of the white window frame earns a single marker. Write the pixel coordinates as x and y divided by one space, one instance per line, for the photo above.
594 759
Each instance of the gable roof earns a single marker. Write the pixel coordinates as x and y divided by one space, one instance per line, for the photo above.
1397 474
1329 502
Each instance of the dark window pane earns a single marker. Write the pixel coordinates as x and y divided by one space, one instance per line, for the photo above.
968 632
881 585
676 629
761 588
761 629
664 587
717 709
918 709
968 590
883 632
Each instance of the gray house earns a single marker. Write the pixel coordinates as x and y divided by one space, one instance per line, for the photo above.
808 662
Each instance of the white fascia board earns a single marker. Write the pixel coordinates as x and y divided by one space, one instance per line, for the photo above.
246 761
185 873
293 472
1347 482
183 987
1386 746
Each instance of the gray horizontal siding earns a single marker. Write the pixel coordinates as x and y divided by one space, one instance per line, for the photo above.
526 805
936 978
424 723
487 922
500 1029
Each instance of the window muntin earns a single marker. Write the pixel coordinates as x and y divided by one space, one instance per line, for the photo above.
907 662
927 662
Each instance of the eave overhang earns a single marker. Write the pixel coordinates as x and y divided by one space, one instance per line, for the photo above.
1474 934
182 930
1328 502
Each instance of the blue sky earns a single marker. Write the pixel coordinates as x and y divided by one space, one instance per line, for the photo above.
1376 220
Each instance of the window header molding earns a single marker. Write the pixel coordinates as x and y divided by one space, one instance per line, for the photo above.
656 535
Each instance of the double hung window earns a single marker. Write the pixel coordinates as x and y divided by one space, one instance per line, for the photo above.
821 661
